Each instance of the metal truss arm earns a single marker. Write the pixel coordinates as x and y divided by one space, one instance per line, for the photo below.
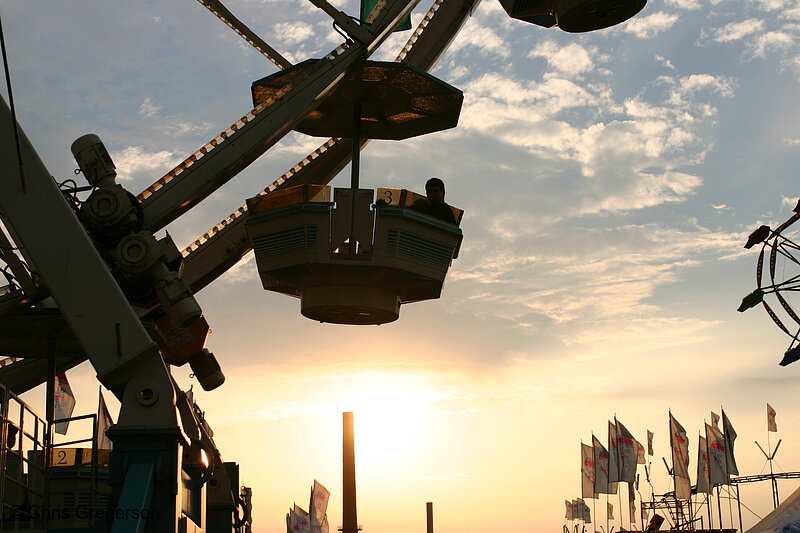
205 172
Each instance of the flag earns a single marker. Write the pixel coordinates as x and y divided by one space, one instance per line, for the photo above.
104 421
679 442
703 482
64 403
714 419
601 484
632 503
568 511
587 471
583 511
627 453
640 460
319 508
649 442
730 437
367 14
771 424
610 510
575 510
613 454
717 467
299 522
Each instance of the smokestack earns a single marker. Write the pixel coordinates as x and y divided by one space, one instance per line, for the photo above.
429 513
349 514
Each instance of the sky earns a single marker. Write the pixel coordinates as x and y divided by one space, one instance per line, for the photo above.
609 181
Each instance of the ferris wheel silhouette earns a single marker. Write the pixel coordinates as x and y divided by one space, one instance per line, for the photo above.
778 279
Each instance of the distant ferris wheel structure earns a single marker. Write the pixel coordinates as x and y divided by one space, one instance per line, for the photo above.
778 278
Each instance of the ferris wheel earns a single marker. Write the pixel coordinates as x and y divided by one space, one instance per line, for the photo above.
778 279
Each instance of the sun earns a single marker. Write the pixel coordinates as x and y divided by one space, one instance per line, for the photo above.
391 418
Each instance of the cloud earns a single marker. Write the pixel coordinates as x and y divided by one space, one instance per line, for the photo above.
293 33
773 41
483 38
666 62
137 162
586 280
689 5
148 109
737 30
650 25
570 60
245 271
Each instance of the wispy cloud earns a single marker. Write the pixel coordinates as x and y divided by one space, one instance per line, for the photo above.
773 41
570 60
148 109
735 31
139 163
651 25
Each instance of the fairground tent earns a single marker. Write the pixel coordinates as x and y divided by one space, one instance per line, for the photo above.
784 519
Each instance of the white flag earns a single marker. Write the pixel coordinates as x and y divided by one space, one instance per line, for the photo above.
319 507
632 503
104 421
717 467
626 445
640 459
583 511
703 483
601 484
587 471
64 403
680 459
730 437
613 453
771 424
300 521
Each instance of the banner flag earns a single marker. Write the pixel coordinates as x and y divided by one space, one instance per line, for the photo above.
610 511
601 484
632 503
64 403
583 511
730 437
680 459
613 453
771 424
300 520
640 460
104 421
714 419
568 510
717 468
703 482
649 442
587 471
319 507
627 453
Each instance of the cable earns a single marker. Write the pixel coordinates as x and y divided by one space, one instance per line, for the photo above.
11 105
